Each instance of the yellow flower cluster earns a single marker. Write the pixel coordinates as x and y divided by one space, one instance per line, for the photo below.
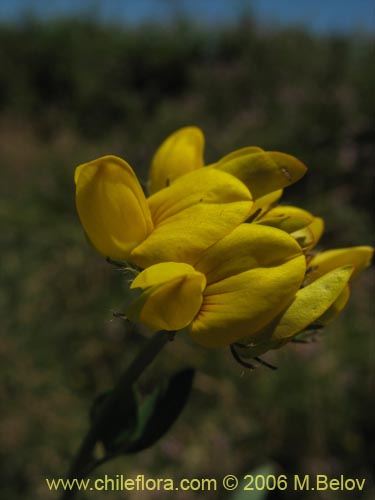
218 255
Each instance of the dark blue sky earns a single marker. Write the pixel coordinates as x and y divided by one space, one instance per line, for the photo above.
318 15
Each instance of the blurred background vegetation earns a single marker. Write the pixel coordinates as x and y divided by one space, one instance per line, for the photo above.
72 90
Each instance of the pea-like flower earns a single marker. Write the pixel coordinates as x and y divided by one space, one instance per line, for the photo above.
254 286
191 207
322 297
177 223
251 289
265 173
305 228
232 290
325 289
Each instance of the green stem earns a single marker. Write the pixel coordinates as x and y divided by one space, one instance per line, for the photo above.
83 460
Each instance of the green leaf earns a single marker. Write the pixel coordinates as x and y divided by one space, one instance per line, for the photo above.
123 420
159 411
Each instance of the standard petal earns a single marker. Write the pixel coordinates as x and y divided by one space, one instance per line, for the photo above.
179 154
251 275
263 172
111 206
172 296
192 214
248 150
358 257
268 199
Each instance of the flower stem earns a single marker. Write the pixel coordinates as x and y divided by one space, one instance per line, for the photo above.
84 459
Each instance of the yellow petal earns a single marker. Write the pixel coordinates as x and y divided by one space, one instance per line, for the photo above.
111 206
205 186
309 305
248 150
263 172
172 296
179 154
193 213
335 309
309 236
238 302
287 218
358 257
266 201
248 246
317 228
162 273
311 302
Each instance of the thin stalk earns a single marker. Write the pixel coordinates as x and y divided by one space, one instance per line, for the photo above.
83 461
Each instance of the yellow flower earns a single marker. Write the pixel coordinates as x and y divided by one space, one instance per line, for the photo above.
180 153
265 173
252 286
305 228
357 257
250 289
109 198
325 290
191 207
232 290
175 224
323 296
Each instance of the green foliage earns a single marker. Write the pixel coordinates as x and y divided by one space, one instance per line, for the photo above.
71 91
116 433
136 426
160 410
